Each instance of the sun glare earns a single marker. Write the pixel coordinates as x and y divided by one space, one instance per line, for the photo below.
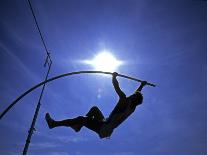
104 61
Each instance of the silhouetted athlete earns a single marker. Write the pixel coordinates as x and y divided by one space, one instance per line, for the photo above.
95 120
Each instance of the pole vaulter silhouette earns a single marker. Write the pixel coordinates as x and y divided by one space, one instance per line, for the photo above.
95 120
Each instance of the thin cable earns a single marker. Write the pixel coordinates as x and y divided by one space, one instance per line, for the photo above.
39 31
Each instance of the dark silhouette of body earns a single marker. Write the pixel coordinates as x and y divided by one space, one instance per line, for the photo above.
95 120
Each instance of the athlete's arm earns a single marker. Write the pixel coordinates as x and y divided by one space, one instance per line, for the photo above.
116 86
143 83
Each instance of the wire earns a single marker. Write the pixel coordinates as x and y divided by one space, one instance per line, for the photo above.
39 31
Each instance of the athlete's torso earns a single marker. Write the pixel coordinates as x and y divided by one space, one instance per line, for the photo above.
120 113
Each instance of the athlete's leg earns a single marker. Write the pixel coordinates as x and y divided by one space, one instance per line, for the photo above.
94 112
75 123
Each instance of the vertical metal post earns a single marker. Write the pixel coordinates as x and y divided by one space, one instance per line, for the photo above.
32 127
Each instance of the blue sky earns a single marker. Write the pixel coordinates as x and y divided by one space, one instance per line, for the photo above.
164 42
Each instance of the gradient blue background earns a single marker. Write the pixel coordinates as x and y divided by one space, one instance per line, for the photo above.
164 42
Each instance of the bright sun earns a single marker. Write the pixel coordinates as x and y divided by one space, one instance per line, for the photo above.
104 61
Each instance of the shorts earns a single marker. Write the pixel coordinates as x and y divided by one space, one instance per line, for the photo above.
94 124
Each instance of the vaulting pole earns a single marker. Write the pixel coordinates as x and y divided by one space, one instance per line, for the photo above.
61 76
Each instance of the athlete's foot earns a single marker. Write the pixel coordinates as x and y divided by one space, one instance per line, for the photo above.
50 121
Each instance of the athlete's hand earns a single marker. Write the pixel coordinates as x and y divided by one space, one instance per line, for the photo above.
115 74
144 83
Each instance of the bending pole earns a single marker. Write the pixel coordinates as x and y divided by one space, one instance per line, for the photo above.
58 77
